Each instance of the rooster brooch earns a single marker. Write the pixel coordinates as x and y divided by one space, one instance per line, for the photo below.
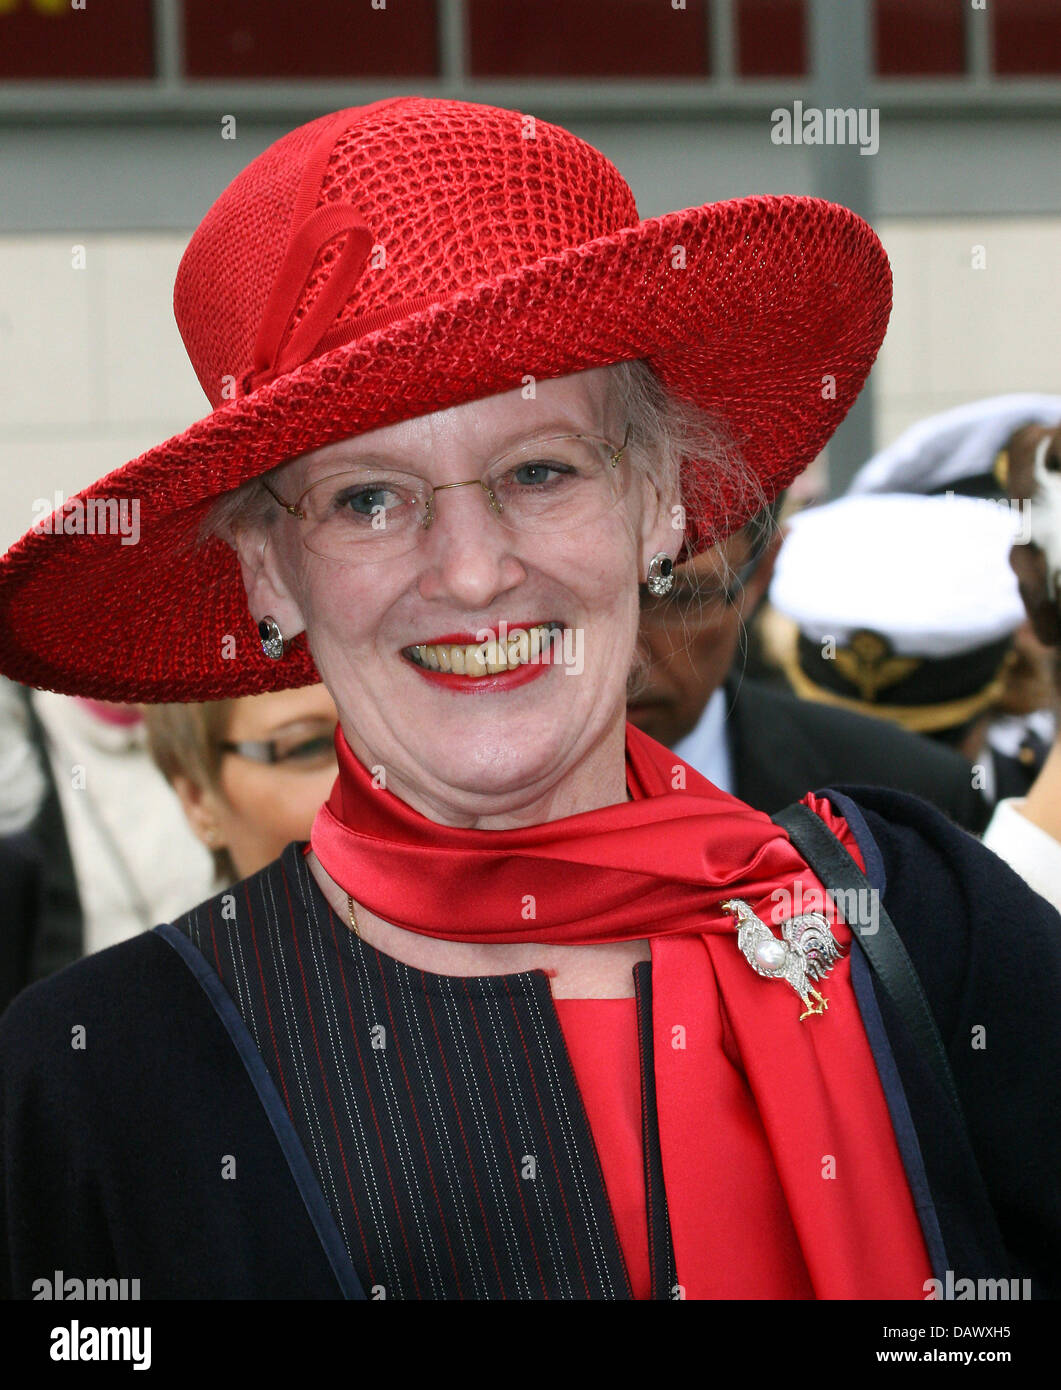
808 952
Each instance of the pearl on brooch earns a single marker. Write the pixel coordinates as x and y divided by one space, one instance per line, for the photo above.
771 954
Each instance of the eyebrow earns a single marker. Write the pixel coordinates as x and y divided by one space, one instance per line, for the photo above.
321 469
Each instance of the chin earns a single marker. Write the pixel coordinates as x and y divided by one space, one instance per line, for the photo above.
495 766
496 761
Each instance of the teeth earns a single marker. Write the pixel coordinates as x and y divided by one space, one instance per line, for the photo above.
496 657
486 658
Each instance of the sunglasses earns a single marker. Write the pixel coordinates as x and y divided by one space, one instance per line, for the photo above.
294 752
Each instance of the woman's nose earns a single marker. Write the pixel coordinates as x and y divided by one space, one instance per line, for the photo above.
467 556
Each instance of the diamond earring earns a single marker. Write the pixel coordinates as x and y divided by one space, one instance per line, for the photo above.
660 579
272 638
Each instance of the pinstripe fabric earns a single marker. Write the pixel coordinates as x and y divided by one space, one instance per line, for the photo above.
440 1114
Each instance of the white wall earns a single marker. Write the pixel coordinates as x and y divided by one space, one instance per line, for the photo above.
93 368
959 333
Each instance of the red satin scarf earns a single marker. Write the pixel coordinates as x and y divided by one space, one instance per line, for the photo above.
782 1173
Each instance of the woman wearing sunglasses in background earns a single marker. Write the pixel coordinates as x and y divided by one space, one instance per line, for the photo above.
251 773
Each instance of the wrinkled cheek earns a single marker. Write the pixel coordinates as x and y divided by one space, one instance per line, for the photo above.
337 612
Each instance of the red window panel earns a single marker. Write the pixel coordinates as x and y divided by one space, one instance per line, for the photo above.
771 38
920 38
325 38
1027 37
587 38
45 39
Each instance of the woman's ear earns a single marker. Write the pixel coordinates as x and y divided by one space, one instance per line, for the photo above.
202 809
662 523
267 586
757 586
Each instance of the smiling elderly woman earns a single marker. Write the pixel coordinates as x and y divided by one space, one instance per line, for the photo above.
538 1012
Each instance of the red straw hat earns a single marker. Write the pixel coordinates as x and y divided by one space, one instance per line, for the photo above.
395 259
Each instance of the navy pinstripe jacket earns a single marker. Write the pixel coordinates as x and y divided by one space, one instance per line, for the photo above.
251 1103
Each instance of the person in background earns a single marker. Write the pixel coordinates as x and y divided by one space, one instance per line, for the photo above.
1026 831
960 452
764 745
94 847
920 633
251 773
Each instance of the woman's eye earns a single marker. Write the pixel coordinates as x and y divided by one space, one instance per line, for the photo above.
367 501
308 750
539 471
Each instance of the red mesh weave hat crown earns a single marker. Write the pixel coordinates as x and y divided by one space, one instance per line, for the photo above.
391 260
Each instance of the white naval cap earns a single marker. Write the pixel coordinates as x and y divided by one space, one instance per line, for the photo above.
930 573
947 449
905 605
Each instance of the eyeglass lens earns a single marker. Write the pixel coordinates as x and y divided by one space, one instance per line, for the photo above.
546 485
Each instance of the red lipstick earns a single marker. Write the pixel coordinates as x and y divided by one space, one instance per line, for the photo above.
470 685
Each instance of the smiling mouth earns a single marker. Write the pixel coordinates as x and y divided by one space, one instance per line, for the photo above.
522 646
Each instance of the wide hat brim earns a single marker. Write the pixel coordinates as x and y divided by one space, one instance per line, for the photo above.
767 312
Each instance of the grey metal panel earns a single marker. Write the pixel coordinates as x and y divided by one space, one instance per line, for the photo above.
103 177
841 59
957 165
134 103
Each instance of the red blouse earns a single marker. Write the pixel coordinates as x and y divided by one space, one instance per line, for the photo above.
601 1038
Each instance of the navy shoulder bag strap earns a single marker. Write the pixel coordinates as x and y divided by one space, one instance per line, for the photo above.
879 939
890 963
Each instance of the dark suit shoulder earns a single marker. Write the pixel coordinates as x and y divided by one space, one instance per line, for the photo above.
122 1098
784 747
987 950
873 742
961 909
123 989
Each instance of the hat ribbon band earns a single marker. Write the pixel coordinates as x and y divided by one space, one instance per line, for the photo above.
916 719
276 353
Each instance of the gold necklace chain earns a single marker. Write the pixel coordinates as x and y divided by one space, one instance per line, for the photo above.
353 917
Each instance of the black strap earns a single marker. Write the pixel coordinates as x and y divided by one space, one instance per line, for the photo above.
877 936
958 1184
